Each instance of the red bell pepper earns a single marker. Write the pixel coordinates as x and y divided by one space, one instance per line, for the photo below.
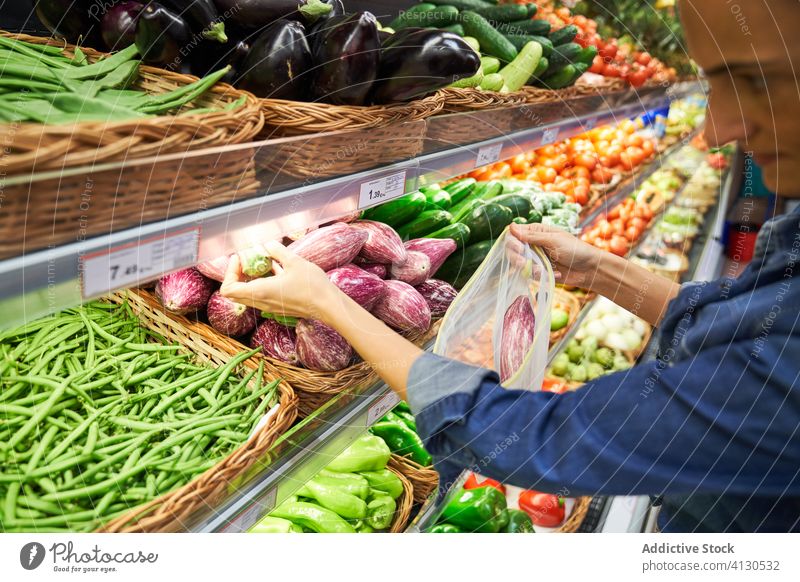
553 385
544 509
473 483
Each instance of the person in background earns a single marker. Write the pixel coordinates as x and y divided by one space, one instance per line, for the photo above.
713 423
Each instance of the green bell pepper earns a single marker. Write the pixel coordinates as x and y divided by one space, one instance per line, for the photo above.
402 406
384 481
519 522
313 517
364 528
445 528
477 510
367 453
351 483
402 441
330 497
275 525
380 511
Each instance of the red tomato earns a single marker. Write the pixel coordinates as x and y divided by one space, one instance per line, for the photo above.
633 140
626 161
472 482
577 173
581 195
643 211
637 78
605 229
648 147
618 245
611 70
608 51
618 225
644 59
638 222
602 175
632 233
520 164
546 175
613 213
587 161
544 509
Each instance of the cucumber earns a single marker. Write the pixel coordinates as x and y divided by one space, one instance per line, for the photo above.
520 220
463 4
564 35
490 65
534 216
454 28
535 27
460 266
532 9
464 209
563 55
409 17
398 211
520 40
438 200
473 43
587 55
518 71
492 42
520 206
458 232
487 222
560 79
473 81
543 64
460 189
427 222
430 189
492 82
487 190
503 13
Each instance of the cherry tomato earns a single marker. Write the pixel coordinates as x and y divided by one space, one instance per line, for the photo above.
519 164
613 213
604 229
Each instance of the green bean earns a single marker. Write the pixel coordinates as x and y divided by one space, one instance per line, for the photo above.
150 373
229 367
39 505
40 449
57 422
42 412
187 93
90 346
115 458
64 464
10 503
104 66
91 439
38 48
47 485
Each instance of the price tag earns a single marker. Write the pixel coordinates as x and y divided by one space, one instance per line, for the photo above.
549 136
488 155
382 189
134 262
253 514
381 407
590 123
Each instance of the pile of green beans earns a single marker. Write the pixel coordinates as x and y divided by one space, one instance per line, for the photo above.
38 83
99 415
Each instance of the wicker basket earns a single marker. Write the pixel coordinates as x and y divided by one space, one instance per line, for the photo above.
424 479
375 135
572 305
576 517
79 201
171 512
405 503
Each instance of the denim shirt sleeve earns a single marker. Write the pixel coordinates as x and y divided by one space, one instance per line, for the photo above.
721 422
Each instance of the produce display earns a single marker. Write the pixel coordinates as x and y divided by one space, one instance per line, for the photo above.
355 493
398 429
42 85
621 228
101 416
482 508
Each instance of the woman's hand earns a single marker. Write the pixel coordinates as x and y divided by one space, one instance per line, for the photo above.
298 288
575 262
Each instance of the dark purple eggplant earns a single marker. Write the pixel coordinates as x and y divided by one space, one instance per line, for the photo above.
346 60
323 22
279 63
75 20
202 16
384 36
417 63
118 25
396 37
162 37
210 56
256 14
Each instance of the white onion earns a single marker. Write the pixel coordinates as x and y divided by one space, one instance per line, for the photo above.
640 327
580 335
616 340
596 329
633 339
613 322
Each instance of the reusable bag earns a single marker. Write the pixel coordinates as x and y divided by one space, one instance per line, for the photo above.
501 318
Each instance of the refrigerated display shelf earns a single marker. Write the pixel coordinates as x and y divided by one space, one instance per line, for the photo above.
50 279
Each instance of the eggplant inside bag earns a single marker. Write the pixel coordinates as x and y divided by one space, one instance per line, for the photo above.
501 317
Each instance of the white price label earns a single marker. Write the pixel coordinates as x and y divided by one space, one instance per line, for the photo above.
135 262
253 514
549 136
488 155
378 410
382 189
590 123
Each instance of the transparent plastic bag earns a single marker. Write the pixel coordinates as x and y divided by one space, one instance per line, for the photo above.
472 331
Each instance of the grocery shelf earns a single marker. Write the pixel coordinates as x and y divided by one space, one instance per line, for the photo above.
46 280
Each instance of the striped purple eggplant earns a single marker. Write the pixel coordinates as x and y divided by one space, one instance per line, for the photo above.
276 341
438 295
362 287
517 337
321 348
403 308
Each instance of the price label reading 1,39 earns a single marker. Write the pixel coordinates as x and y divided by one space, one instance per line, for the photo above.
381 407
488 155
134 262
382 189
549 136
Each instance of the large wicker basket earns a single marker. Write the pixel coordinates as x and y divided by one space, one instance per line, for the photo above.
404 503
76 197
375 135
172 512
424 479
576 517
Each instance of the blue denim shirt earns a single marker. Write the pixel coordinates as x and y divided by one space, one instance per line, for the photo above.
712 424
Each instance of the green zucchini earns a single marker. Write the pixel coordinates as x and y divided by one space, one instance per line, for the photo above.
464 208
487 190
517 72
520 40
427 222
503 13
487 222
534 27
457 231
461 265
463 4
460 189
454 28
518 205
491 41
438 199
490 65
430 189
563 55
409 17
564 35
398 211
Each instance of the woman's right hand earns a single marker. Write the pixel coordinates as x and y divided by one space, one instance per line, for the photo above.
575 263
